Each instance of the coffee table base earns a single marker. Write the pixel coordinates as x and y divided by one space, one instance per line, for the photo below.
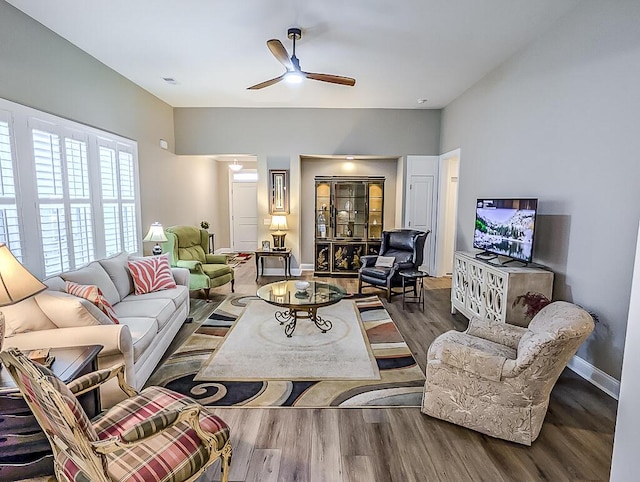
289 319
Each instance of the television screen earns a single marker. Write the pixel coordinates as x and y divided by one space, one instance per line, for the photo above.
506 227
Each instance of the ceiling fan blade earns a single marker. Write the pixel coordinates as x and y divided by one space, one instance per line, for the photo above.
266 83
334 79
280 53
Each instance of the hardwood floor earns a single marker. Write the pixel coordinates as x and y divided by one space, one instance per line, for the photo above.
401 444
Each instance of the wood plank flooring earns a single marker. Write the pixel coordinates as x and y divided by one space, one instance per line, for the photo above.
401 444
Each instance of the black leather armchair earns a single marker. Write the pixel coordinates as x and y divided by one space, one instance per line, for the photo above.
406 246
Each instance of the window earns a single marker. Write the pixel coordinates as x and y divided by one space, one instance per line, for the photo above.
9 227
77 191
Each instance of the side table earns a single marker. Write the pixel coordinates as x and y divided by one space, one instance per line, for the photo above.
285 255
24 449
416 279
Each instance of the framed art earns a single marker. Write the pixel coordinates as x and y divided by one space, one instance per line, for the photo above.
266 246
278 192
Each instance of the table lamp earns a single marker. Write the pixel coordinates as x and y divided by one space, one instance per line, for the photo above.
278 224
156 233
16 283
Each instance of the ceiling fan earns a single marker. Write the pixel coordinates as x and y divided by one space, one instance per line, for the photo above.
293 73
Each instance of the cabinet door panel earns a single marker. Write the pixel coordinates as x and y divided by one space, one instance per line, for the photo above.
476 292
460 281
323 253
495 295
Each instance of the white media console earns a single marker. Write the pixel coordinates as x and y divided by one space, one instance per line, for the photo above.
486 290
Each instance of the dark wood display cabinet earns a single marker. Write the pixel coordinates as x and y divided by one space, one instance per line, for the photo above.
349 222
24 449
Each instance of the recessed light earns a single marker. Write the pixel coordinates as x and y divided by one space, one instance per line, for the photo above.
350 158
421 101
170 80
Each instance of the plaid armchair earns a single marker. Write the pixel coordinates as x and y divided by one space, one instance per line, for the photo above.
156 435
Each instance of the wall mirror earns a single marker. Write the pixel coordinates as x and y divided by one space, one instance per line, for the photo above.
279 192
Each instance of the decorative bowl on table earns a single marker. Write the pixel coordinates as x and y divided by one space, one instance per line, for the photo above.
301 285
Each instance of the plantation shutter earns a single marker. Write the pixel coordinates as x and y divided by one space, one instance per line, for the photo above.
9 226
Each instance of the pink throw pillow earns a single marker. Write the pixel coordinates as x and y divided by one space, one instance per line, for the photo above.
93 294
152 273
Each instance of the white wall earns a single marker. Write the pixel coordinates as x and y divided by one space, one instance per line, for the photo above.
625 465
559 122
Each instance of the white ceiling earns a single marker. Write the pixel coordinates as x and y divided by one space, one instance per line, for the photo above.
399 51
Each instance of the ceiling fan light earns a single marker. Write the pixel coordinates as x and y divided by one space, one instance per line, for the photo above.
293 77
235 167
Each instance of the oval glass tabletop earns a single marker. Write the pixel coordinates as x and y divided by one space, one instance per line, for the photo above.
284 293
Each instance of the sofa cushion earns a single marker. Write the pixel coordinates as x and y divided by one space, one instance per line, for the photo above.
116 268
160 309
177 295
66 311
24 317
93 294
94 274
151 274
143 332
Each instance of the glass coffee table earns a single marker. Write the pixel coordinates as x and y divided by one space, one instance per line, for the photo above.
301 304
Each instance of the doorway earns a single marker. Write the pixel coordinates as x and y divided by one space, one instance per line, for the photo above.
244 210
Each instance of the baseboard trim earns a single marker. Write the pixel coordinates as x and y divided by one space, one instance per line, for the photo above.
306 267
280 272
594 375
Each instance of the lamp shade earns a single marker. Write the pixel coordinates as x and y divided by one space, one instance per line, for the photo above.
156 233
278 223
16 282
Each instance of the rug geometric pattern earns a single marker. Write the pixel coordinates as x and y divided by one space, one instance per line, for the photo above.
400 385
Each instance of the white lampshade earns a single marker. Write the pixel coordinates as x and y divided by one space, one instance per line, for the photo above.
156 233
235 167
16 282
278 223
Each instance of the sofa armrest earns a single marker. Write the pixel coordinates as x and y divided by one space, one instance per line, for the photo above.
115 340
466 358
216 258
496 331
181 275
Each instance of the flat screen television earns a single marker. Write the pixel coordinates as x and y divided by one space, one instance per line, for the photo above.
506 227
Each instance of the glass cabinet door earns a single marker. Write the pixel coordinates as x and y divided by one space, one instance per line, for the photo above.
375 207
350 209
323 210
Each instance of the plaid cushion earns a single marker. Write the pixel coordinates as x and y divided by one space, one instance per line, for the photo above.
94 294
151 274
175 454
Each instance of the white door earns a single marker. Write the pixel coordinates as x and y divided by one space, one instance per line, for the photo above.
244 216
421 202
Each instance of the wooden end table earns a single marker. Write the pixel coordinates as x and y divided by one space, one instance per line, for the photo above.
284 254
24 449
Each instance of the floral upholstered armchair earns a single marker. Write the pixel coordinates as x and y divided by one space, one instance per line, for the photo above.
496 378
188 246
155 435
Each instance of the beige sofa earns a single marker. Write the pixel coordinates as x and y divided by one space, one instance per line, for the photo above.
147 323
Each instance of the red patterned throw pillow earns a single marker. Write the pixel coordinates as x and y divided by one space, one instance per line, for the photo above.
94 295
151 274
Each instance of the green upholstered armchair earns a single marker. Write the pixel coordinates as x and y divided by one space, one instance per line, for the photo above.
187 247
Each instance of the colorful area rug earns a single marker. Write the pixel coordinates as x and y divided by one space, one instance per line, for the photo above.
239 258
400 384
